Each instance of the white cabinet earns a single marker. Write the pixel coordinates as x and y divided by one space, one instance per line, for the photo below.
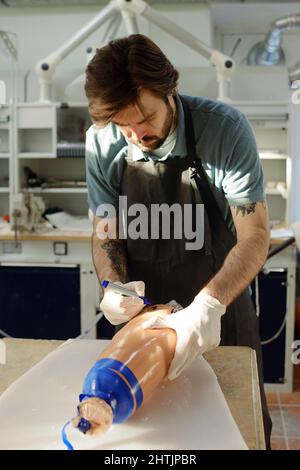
50 150
35 131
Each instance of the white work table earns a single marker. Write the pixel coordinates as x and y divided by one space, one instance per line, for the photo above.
235 368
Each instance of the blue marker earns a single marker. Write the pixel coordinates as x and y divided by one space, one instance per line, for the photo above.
122 290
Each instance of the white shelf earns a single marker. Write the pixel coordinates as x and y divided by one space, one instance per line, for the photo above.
4 155
268 155
36 155
4 190
276 192
56 190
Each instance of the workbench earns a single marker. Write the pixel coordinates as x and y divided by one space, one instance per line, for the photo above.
54 235
235 368
38 249
47 235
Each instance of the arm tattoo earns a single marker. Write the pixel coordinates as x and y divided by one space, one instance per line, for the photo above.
246 209
249 208
116 253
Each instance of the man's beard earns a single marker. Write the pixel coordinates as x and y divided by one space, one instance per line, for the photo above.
157 141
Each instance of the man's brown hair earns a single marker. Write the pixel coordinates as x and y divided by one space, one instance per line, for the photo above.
119 70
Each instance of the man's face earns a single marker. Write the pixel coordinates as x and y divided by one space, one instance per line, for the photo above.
150 128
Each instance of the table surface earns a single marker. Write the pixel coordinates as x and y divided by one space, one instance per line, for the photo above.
235 368
55 235
49 235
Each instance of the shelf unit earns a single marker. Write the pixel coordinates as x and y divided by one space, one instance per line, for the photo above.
57 190
6 159
271 126
50 142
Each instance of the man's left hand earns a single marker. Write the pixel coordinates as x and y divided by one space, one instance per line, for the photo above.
198 329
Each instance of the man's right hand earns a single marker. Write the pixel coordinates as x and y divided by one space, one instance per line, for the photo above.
118 308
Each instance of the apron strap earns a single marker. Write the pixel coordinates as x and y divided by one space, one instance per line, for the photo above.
199 175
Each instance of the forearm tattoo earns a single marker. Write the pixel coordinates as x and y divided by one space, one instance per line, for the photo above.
116 253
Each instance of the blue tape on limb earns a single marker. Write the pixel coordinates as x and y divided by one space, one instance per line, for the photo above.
129 376
105 383
64 437
114 382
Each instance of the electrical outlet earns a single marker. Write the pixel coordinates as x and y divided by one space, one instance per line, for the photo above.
60 248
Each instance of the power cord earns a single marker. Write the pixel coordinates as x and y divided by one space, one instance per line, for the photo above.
6 335
257 307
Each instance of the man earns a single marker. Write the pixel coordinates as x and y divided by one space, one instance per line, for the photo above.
156 147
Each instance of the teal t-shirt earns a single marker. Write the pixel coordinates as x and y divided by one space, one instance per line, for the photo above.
224 141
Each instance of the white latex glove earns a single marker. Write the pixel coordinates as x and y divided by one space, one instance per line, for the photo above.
198 329
118 308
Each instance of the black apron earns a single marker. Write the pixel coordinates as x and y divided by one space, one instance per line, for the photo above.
167 268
